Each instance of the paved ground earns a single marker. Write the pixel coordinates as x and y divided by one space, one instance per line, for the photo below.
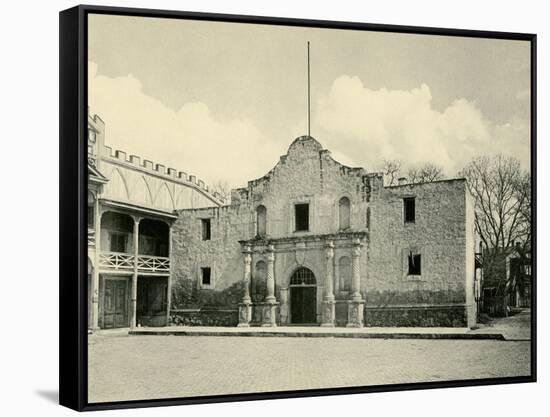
515 327
123 367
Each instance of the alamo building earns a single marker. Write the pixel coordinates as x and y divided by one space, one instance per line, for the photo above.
312 242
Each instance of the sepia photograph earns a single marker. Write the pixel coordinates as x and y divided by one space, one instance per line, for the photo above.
277 208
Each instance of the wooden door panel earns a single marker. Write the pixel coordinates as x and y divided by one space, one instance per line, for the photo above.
309 302
115 299
120 313
303 305
108 321
295 305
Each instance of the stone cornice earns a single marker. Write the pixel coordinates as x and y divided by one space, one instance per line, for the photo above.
322 239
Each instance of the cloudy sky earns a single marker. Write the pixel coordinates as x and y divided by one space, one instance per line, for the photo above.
223 101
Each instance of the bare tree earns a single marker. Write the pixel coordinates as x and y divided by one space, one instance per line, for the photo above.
223 188
391 170
522 191
427 172
502 193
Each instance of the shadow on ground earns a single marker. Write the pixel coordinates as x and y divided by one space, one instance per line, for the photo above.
50 395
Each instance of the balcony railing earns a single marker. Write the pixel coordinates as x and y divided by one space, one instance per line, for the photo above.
125 262
91 237
153 263
117 261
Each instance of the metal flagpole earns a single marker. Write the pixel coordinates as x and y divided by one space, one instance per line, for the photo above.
308 94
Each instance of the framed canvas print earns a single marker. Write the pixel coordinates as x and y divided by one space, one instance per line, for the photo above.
257 207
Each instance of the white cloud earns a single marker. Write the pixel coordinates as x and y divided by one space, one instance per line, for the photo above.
367 126
360 126
191 139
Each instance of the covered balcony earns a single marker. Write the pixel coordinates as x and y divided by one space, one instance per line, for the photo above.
133 245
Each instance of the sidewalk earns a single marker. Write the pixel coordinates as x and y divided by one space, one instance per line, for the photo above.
513 328
292 331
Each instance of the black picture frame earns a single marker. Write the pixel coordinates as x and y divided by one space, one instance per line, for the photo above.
73 208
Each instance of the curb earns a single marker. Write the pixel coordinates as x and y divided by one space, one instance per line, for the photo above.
431 336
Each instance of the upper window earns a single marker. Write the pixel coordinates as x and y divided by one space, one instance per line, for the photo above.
415 264
261 213
206 278
344 213
302 217
153 246
409 209
118 242
205 229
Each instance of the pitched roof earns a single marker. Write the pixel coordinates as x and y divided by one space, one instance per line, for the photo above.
94 174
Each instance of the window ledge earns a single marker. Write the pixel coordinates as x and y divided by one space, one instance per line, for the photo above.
414 278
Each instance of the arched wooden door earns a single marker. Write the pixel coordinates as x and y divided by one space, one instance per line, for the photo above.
303 297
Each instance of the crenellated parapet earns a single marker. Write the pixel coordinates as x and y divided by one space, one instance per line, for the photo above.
160 171
142 182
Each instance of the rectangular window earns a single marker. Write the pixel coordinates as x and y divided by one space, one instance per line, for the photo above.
118 242
301 212
205 275
205 229
409 209
414 264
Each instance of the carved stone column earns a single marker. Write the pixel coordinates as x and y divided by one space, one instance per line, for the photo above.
356 270
328 314
133 299
336 278
270 274
356 303
270 309
284 308
245 308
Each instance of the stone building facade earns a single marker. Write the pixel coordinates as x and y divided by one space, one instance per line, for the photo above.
316 242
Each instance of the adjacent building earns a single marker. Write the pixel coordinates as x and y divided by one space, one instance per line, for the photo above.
131 211
507 279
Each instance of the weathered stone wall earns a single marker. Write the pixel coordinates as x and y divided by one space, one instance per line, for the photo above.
424 316
440 234
222 253
306 174
204 317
